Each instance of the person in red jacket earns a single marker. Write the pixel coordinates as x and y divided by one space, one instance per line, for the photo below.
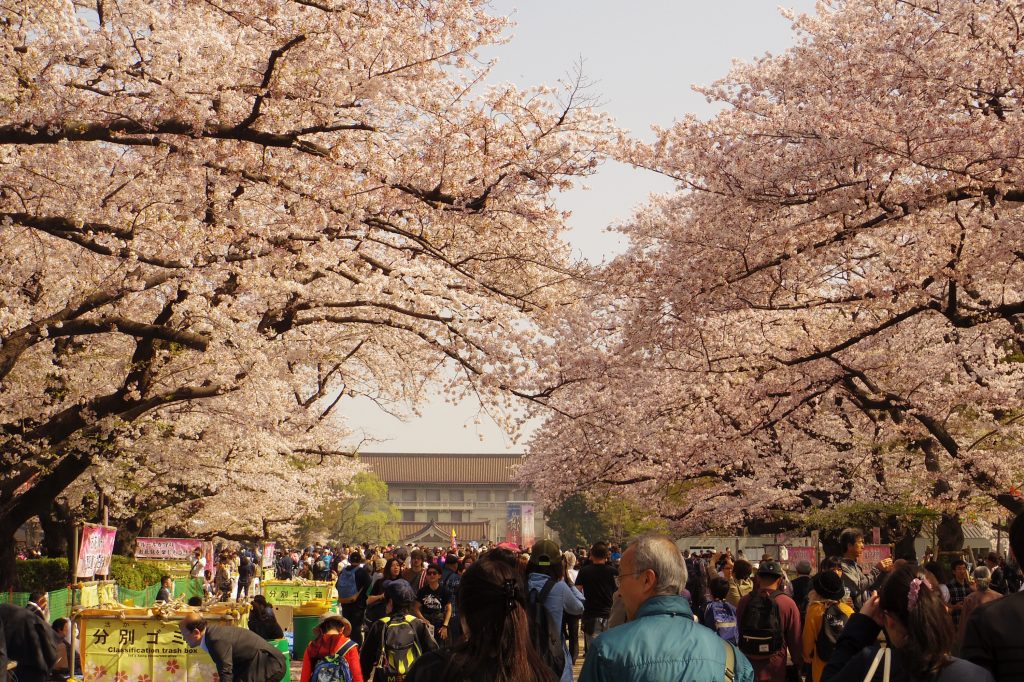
332 634
773 668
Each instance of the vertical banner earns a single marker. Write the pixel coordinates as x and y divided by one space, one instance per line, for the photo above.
178 549
527 525
140 651
268 554
95 550
455 545
513 524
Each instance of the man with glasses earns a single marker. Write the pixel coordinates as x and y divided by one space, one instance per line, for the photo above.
661 642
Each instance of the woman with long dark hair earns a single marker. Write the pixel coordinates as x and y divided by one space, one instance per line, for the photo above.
919 632
496 645
375 599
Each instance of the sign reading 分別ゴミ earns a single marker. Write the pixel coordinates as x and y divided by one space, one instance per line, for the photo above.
116 650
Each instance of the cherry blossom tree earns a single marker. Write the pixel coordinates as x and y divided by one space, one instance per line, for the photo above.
831 306
219 219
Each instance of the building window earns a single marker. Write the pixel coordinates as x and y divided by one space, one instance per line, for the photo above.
455 495
432 516
457 517
432 495
409 495
500 496
408 515
483 495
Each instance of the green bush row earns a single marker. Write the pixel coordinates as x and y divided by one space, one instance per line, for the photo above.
52 574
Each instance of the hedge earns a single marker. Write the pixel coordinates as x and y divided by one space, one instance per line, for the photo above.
52 574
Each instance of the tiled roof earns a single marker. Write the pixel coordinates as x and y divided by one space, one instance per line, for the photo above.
395 468
464 532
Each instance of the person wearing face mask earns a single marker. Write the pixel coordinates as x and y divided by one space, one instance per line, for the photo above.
919 632
62 668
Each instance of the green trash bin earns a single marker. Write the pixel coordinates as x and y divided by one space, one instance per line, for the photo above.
282 646
303 626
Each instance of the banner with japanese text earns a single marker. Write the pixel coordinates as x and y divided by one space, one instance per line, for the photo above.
268 554
179 549
808 554
118 650
514 524
94 554
287 593
873 554
527 525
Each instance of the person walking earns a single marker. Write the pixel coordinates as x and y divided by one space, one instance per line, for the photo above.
918 628
769 655
992 636
825 609
661 641
331 639
493 605
545 580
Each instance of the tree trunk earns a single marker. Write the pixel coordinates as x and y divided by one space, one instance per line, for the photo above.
58 529
950 534
128 532
8 565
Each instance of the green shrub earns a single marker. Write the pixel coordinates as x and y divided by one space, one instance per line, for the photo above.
132 574
42 574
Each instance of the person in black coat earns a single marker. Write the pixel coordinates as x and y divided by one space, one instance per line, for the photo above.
239 654
262 619
917 627
30 641
992 637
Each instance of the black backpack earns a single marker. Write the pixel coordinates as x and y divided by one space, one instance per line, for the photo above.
544 634
833 620
761 627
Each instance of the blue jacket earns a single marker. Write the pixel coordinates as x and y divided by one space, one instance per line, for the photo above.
562 598
661 644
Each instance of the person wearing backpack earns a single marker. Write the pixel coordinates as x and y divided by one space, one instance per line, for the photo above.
660 642
827 614
332 656
352 585
720 615
394 642
493 604
548 597
769 626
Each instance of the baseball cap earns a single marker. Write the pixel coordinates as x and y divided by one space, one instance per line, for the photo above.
770 568
399 591
545 552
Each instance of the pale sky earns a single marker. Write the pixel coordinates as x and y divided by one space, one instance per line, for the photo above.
642 58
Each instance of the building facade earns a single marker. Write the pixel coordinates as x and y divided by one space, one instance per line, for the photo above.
470 493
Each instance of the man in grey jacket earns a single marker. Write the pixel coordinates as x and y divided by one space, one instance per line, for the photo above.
854 580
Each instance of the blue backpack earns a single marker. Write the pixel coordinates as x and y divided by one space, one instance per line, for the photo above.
347 582
720 616
334 668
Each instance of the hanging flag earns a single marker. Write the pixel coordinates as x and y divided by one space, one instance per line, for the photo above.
454 544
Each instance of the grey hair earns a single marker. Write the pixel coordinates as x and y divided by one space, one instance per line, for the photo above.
660 554
982 576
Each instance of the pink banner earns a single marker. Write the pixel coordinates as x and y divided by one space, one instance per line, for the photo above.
873 554
94 553
173 549
798 554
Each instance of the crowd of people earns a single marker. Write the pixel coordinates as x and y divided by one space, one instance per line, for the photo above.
646 613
